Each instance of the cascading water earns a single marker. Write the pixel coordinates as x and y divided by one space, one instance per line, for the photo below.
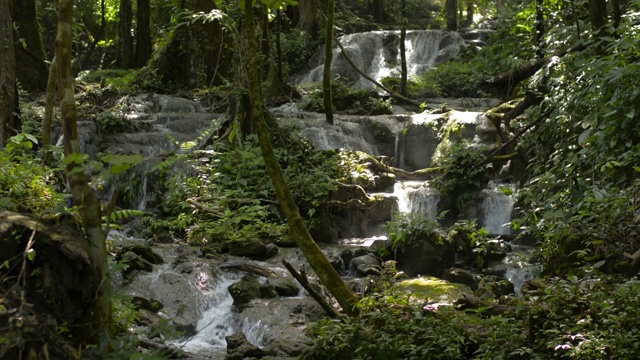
417 197
497 207
377 54
519 270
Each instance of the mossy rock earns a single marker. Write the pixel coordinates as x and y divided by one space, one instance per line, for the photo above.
434 289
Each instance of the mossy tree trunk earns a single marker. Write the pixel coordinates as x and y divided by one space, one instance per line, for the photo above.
309 17
7 73
539 35
99 316
326 273
328 57
144 47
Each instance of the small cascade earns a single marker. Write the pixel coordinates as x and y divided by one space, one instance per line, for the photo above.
496 208
417 197
217 322
377 54
519 270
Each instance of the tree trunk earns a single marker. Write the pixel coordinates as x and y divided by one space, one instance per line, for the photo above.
83 196
48 109
7 73
125 39
309 17
97 38
598 16
470 12
29 50
144 47
539 28
326 273
451 14
403 52
377 10
617 13
328 57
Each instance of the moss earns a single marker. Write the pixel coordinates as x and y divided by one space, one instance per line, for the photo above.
432 288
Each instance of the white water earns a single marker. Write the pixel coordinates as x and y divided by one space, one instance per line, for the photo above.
497 207
519 270
417 197
376 53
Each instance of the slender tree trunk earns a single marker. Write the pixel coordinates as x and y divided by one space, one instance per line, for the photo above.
403 52
144 46
31 67
48 108
539 35
598 16
328 58
7 73
326 273
451 11
99 316
125 39
470 12
377 10
617 13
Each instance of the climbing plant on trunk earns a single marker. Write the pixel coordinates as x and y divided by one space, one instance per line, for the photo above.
99 316
328 276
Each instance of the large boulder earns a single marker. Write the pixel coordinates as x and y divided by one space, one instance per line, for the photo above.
251 248
245 290
284 286
422 257
366 265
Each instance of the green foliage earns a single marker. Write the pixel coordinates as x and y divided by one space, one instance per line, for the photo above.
230 196
462 176
471 241
112 120
405 230
583 160
352 101
389 327
25 184
121 80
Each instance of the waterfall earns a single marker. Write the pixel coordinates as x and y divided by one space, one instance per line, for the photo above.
496 208
417 197
377 54
519 270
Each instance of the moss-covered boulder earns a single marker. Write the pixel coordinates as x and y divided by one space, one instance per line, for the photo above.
434 289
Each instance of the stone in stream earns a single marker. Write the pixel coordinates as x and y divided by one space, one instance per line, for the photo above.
284 286
461 276
366 265
245 290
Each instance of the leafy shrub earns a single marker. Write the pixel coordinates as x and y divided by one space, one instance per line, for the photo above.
351 101
405 230
462 176
388 327
25 184
471 241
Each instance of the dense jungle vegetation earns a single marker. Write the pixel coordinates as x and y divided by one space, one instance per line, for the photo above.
568 75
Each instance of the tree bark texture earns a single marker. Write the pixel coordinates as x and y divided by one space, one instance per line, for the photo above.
125 39
403 51
48 105
598 16
99 316
326 273
30 59
328 58
144 47
309 17
451 14
7 73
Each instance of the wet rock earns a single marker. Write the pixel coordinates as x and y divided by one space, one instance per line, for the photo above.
434 289
268 291
461 276
272 250
422 257
244 291
134 263
213 249
284 286
252 248
239 348
366 265
145 252
147 304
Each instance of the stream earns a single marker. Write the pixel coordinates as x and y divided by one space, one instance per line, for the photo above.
195 292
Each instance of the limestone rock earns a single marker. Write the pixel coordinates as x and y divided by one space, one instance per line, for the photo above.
461 276
284 286
366 265
245 290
